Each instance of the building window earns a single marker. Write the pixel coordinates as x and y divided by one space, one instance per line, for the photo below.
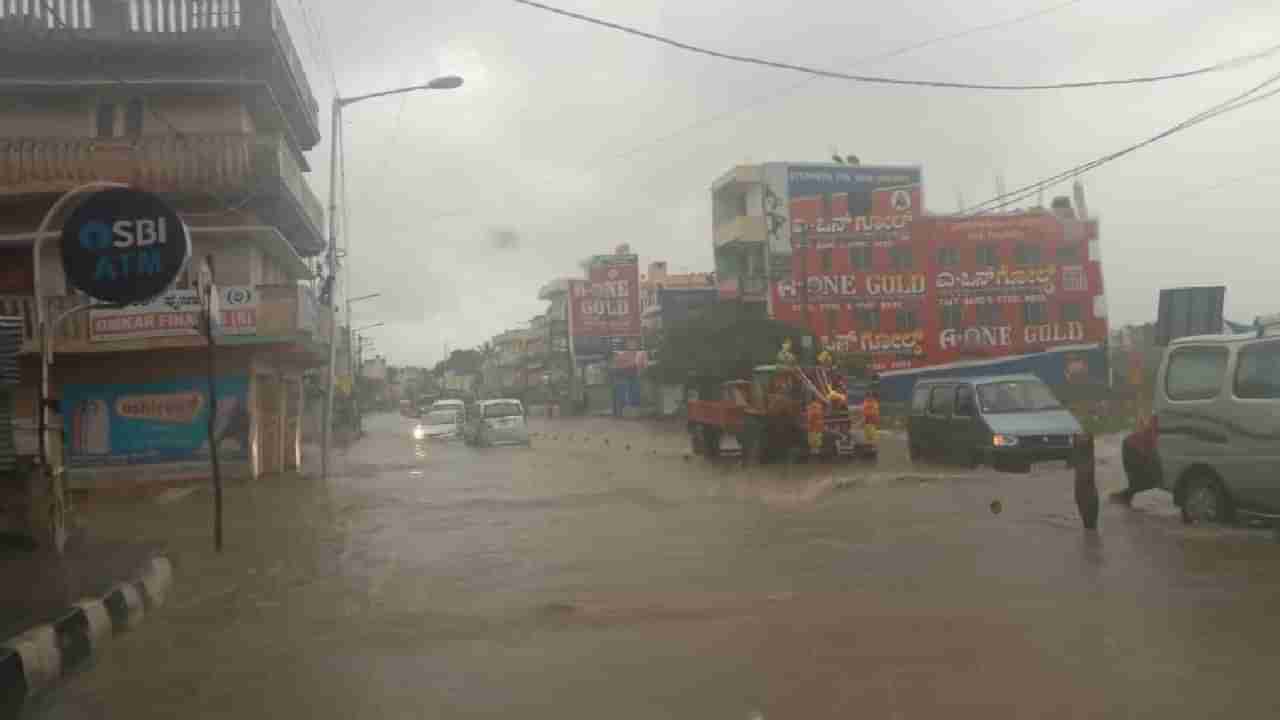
952 316
1258 372
133 118
869 320
1073 280
105 120
906 320
860 257
990 314
1070 312
900 258
1068 253
948 256
1034 313
1026 254
826 260
988 255
833 317
1195 373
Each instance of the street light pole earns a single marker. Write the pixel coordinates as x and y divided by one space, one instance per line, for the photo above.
447 82
331 283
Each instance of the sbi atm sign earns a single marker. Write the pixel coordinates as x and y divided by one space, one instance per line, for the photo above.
124 246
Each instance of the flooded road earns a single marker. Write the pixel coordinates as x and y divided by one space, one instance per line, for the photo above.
602 573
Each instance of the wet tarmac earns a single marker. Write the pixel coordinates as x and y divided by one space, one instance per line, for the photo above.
604 573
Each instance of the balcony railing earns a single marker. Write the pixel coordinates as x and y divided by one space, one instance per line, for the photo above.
212 37
204 164
284 313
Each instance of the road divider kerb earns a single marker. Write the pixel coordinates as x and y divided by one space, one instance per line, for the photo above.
34 661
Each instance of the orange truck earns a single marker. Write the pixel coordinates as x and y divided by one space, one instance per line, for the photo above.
766 417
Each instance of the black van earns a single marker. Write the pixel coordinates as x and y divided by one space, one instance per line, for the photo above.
1005 421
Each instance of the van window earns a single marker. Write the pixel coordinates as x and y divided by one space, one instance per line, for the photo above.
1195 373
1258 371
920 399
964 401
942 400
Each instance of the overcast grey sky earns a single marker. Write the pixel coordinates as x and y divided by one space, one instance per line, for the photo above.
553 136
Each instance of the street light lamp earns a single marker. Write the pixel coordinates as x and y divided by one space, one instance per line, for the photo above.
446 82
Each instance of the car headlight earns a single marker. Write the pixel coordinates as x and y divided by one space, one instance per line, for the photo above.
1004 440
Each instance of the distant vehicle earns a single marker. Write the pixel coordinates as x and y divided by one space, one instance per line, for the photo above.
1216 417
408 409
498 422
457 405
440 425
1007 422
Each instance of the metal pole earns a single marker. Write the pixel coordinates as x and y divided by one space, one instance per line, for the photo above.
332 258
804 281
212 388
351 363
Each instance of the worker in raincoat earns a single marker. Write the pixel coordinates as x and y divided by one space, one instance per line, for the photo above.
871 417
816 421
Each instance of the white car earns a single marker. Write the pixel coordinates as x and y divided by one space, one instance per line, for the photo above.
498 422
443 424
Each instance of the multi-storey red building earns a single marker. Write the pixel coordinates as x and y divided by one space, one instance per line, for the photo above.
849 255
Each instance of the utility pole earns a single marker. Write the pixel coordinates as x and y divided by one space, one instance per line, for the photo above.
447 82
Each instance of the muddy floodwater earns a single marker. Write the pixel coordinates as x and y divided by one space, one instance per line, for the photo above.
605 574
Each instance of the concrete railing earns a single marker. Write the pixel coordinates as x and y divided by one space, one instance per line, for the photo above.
236 163
236 28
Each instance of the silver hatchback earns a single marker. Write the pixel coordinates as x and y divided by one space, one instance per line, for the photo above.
498 422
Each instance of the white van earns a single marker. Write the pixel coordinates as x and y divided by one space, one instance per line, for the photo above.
1216 410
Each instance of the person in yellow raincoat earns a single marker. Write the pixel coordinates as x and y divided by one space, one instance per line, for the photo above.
815 416
871 417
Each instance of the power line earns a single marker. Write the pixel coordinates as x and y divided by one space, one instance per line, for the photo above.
1244 99
880 80
789 90
322 39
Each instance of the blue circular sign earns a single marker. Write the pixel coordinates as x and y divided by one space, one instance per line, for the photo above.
124 246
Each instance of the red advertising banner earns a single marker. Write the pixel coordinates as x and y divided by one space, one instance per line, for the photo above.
958 289
607 303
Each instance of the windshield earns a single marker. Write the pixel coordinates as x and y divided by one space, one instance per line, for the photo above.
441 417
621 359
505 409
1016 396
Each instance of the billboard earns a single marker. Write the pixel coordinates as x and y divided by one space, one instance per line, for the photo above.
843 204
951 289
1189 311
176 313
607 303
148 423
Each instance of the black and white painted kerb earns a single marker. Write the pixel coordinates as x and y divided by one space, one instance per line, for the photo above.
34 661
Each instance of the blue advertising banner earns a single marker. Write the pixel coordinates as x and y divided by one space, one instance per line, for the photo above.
162 422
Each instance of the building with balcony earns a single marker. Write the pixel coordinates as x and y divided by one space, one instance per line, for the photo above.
742 205
205 103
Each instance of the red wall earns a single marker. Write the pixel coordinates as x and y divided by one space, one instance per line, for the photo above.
1064 280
